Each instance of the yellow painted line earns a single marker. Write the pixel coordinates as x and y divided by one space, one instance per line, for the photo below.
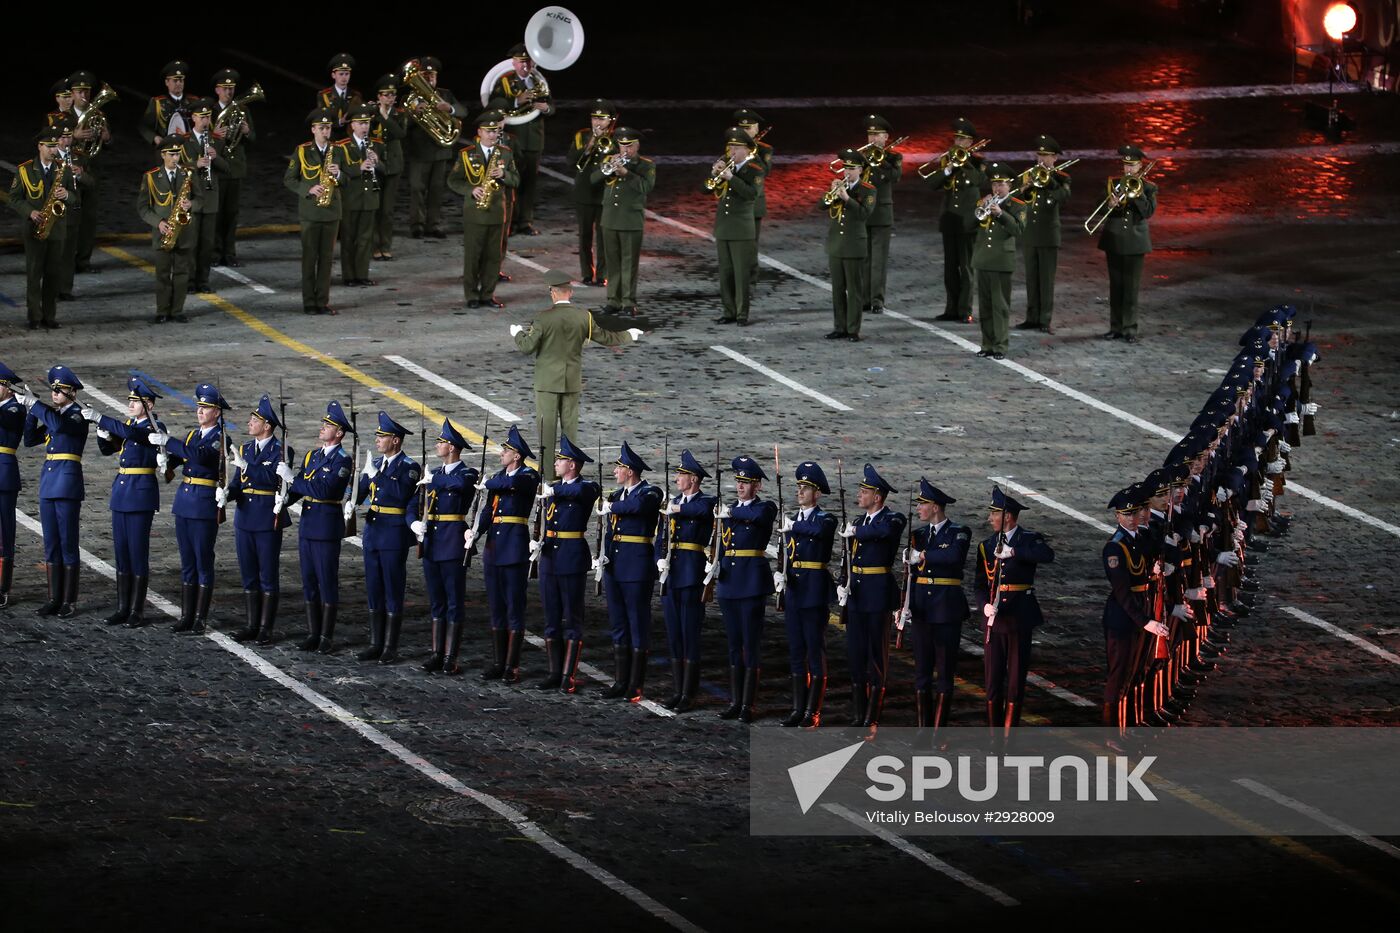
21 806
186 819
348 832
259 230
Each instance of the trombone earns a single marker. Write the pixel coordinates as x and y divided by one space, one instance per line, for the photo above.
1038 176
1122 188
956 157
876 154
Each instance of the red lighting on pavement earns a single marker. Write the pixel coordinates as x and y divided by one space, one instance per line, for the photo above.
1339 20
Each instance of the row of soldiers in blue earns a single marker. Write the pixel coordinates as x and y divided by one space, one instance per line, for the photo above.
1178 563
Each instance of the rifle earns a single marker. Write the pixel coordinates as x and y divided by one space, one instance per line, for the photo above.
537 530
162 459
715 537
598 574
280 500
903 611
354 464
223 464
782 540
476 498
995 594
423 489
845 542
665 529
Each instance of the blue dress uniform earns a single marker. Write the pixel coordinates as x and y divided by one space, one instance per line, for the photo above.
135 499
629 574
258 526
320 485
63 432
682 551
808 593
504 523
196 513
564 561
443 512
745 582
872 601
938 607
12 416
1007 637
387 539
1128 564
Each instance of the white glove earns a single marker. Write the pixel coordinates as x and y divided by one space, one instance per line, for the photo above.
1291 418
662 566
157 439
515 329
481 485
709 568
545 491
1254 505
989 611
779 581
469 538
1197 595
905 617
220 496
370 470
285 472
236 458
1157 628
90 413
724 511
1240 524
104 434
604 507
1182 612
602 561
1269 433
948 170
348 509
672 508
786 525
849 531
277 504
427 478
1005 552
636 333
1156 568
1210 583
1284 447
912 556
420 528
1174 539
1274 468
1221 494
1195 537
535 549
1310 408
1228 559
1168 568
24 398
841 594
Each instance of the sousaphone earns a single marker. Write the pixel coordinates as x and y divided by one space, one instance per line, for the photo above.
554 39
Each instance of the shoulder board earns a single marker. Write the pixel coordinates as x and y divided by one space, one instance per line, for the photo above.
1018 201
153 171
763 145
328 90
866 184
580 136
645 159
309 142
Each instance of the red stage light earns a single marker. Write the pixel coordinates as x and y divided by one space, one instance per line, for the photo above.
1339 20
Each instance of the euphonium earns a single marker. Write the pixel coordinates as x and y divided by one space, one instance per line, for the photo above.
92 119
489 185
326 180
53 209
231 120
444 129
179 218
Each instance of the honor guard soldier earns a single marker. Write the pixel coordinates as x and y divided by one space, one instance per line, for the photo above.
135 495
631 513
503 523
168 114
76 205
994 260
1040 241
258 524
388 128
428 160
203 155
480 172
589 148
1127 613
526 91
91 135
734 180
849 202
1125 242
232 168
629 179
321 486
197 512
680 562
745 580
960 175
316 172
439 521
362 196
556 340
564 559
387 483
937 604
12 416
807 535
340 98
1005 588
166 202
37 194
872 598
749 122
59 425
885 168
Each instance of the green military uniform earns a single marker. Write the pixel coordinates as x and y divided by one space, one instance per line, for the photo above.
994 261
29 191
86 239
389 131
337 102
586 153
75 204
886 168
624 217
156 200
427 165
231 170
483 229
749 122
161 110
206 216
556 338
529 142
847 246
1126 242
319 225
1041 241
361 203
962 187
735 234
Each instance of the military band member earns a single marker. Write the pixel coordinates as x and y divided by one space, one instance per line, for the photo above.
628 179
1040 241
232 168
745 580
680 563
1125 242
631 512
76 204
169 113
362 195
962 187
389 128
340 98
203 155
97 132
872 597
387 484
258 524
564 559
503 522
428 160
34 183
439 521
479 174
1005 589
937 604
524 90
749 122
1127 612
807 535
135 495
886 167
319 225
848 203
994 260
62 92
320 485
59 425
586 152
12 416
735 183
157 202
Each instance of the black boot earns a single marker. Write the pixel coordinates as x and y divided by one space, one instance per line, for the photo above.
393 626
996 714
511 674
451 646
876 707
204 597
434 662
69 605
678 682
751 677
267 619
816 693
554 654
137 618
799 700
313 627
637 677
188 591
922 708
328 614
376 637
568 677
498 655
252 611
860 701
123 610
54 572
736 694
7 572
942 704
622 669
690 681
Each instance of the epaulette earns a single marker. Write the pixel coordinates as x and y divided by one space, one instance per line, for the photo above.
578 137
158 168
1015 200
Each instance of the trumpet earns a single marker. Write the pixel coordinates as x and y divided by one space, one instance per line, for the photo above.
614 162
1038 176
716 181
1122 188
955 158
874 155
833 194
983 211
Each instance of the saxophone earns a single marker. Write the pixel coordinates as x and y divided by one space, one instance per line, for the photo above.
326 180
53 208
179 217
489 185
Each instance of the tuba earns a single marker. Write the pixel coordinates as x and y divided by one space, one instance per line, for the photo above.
443 128
231 120
554 39
92 119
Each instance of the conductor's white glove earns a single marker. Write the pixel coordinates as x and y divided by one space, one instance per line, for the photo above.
636 333
515 329
349 509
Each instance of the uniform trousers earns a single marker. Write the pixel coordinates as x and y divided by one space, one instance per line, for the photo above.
320 570
259 553
43 263
1007 661
505 594
447 586
386 574
868 646
195 538
957 264
317 248
737 261
629 611
935 654
623 252
131 542
743 629
562 597
592 258
806 635
684 613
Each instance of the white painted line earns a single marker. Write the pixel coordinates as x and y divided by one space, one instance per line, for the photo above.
517 819
441 383
590 671
971 646
105 399
932 861
244 280
1331 629
9 166
275 69
1030 493
527 263
780 378
1346 829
